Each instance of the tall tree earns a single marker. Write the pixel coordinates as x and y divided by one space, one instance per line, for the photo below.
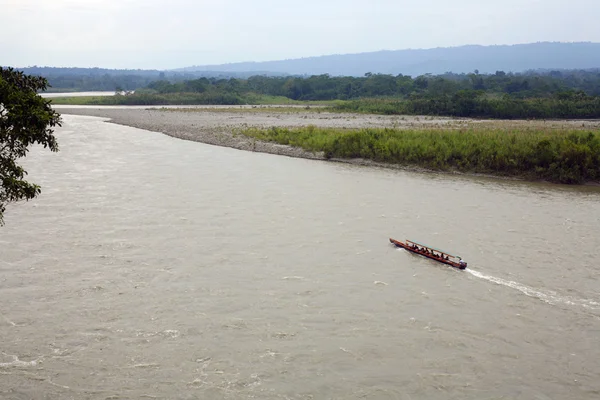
26 118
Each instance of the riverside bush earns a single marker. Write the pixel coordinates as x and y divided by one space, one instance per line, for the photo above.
557 156
474 106
147 99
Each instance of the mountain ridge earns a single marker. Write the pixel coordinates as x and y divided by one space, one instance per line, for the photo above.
438 60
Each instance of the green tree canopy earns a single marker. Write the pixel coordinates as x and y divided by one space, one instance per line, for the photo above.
26 119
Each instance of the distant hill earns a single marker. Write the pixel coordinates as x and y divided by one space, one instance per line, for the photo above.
463 59
182 73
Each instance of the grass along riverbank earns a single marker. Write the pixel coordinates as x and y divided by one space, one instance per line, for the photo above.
479 106
560 156
143 99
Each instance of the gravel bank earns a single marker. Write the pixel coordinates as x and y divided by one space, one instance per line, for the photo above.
217 127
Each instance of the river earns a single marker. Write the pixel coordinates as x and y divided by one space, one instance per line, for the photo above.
152 267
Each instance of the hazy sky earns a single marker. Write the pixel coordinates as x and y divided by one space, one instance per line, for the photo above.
165 34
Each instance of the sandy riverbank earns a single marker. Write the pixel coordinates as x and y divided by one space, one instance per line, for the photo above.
218 126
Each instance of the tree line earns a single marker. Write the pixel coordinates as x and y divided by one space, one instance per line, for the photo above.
70 79
326 87
535 94
553 94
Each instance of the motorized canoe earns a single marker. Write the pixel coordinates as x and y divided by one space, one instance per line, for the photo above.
432 253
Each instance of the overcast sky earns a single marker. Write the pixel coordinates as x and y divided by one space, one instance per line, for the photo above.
161 34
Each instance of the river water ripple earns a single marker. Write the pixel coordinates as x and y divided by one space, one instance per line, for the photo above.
155 267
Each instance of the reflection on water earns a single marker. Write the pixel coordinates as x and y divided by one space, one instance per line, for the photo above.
151 266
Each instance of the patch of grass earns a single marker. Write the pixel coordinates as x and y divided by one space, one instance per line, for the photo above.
254 109
76 100
153 99
258 99
556 156
473 106
183 98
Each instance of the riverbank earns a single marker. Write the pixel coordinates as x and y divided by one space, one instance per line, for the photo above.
221 126
176 99
232 127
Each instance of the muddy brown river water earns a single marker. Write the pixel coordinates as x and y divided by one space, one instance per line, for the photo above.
152 267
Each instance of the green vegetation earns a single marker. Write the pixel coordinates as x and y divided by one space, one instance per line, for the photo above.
477 105
570 94
25 119
325 87
149 99
144 97
265 109
71 79
553 155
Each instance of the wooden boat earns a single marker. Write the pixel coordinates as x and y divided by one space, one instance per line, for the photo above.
430 252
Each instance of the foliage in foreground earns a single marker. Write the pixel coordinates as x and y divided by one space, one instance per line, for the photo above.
25 119
563 157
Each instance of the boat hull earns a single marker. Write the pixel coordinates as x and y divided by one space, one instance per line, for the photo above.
428 255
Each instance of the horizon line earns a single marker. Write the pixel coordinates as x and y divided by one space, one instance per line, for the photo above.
316 56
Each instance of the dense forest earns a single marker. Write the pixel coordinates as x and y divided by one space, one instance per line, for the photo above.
325 87
552 94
